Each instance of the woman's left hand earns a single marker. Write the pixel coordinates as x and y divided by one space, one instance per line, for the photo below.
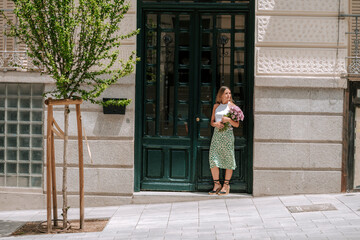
225 119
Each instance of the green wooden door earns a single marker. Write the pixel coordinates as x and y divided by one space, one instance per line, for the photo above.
186 56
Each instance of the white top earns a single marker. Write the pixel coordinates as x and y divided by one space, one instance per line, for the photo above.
220 111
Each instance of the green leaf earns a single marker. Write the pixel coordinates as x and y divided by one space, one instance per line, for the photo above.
76 43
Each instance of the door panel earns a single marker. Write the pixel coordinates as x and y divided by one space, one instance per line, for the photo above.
167 155
222 49
179 163
188 56
154 157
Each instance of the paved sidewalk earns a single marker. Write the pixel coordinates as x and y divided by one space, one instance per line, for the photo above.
220 218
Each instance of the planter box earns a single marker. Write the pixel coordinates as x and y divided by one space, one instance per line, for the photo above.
111 109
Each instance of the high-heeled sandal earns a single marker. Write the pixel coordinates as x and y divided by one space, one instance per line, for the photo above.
226 182
213 192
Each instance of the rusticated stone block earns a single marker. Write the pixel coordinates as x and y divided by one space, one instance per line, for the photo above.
118 152
298 127
132 6
306 100
302 30
24 77
303 5
97 124
297 155
300 81
128 25
20 201
274 182
100 181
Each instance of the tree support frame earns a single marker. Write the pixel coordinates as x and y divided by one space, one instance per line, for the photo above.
53 128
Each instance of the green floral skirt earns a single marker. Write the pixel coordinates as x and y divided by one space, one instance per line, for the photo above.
222 149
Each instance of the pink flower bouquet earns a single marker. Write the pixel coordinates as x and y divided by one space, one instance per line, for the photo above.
234 114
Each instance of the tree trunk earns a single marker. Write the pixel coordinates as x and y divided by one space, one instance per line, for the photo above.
64 189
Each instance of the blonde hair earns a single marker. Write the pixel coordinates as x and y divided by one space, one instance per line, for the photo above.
220 93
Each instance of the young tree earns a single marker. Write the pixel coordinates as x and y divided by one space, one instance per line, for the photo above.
76 43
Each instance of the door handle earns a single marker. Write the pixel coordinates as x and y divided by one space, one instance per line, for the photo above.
198 119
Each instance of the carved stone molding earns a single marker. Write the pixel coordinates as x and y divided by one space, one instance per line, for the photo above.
300 29
302 5
300 61
304 81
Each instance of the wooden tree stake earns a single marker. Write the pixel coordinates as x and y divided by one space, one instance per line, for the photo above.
50 160
81 165
48 166
53 182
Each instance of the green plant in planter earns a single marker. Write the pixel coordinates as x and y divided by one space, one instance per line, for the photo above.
77 44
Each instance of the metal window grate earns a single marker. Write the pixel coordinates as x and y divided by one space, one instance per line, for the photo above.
21 135
13 54
353 59
354 63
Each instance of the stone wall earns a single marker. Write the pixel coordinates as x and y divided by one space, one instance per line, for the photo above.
109 177
298 111
300 54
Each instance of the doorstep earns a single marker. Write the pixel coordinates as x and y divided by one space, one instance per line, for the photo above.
148 197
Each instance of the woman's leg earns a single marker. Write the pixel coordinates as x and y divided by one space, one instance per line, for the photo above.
215 176
228 175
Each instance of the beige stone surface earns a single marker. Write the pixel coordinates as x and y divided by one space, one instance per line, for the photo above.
297 155
22 200
24 77
125 52
99 181
133 4
293 6
122 82
271 182
301 30
301 81
306 100
126 90
97 124
128 25
300 61
298 127
103 152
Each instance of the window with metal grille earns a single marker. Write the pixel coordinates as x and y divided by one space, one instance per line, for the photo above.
12 52
21 135
354 24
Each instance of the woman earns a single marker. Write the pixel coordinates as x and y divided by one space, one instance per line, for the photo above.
222 143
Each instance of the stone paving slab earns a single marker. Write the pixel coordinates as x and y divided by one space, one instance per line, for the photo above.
220 218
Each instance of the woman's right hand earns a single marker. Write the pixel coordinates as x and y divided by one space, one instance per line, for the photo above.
219 125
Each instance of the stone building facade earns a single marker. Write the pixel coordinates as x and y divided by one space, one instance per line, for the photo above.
294 101
299 96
